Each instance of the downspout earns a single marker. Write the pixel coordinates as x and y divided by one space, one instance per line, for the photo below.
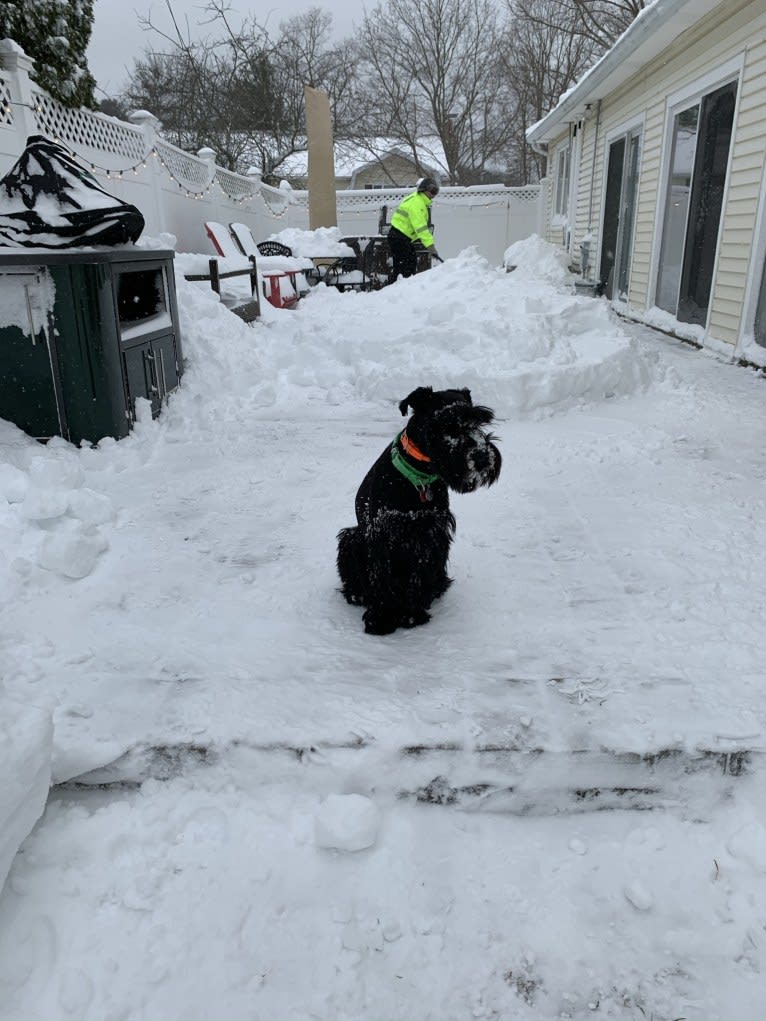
586 245
593 167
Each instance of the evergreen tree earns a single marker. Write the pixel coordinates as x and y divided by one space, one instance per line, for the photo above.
55 34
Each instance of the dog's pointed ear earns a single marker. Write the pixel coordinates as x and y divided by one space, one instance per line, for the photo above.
418 400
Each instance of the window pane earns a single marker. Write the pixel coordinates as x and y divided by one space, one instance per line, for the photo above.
677 208
565 184
630 188
562 182
706 203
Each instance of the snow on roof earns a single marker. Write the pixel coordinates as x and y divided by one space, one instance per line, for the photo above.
655 28
350 156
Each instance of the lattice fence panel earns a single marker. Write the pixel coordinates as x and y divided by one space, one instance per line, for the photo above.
185 168
83 129
373 197
6 110
236 186
529 194
377 197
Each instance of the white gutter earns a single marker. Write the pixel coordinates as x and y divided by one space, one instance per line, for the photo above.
654 30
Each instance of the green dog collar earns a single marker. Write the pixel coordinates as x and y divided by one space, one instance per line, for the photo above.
420 480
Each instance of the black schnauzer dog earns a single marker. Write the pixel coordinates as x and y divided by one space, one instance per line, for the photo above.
394 562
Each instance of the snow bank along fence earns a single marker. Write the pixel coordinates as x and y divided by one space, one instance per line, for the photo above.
177 191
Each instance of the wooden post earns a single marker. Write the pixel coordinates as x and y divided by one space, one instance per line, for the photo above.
215 281
323 211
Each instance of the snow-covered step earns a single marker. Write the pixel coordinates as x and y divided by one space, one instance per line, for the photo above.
541 801
492 778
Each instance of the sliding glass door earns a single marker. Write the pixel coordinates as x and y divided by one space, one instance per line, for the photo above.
760 312
699 159
619 215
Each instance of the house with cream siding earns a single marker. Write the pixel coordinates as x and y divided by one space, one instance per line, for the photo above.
379 164
656 179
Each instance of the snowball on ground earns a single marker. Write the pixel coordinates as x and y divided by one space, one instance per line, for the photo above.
347 822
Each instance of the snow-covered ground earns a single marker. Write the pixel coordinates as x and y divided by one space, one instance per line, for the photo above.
547 803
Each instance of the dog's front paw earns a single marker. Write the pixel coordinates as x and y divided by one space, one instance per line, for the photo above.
379 622
416 618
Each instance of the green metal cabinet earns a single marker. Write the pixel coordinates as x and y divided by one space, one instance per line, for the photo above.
82 336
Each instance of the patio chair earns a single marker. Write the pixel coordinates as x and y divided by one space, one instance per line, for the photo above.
247 309
243 238
301 279
376 264
345 274
273 248
221 239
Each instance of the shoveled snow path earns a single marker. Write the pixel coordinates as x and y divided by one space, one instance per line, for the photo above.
583 564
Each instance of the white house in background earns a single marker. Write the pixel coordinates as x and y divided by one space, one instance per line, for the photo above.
656 172
381 164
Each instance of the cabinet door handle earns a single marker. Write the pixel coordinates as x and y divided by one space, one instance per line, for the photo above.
162 372
153 381
31 318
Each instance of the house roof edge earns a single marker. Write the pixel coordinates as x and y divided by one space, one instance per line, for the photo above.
644 39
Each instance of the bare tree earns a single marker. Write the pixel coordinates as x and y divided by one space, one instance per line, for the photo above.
304 53
600 22
241 92
205 91
543 54
433 70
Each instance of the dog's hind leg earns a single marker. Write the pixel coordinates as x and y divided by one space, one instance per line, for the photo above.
352 565
381 620
403 552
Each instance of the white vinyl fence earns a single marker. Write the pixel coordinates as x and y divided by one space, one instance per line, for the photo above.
177 191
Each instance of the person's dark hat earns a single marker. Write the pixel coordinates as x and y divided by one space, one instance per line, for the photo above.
429 186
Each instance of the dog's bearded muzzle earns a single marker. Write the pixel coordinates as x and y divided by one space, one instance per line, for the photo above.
482 468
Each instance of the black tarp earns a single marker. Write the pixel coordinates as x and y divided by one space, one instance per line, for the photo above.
47 200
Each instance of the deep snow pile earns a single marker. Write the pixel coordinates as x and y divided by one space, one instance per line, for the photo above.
533 259
530 345
322 242
260 847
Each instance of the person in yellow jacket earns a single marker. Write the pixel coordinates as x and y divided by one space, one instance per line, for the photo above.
409 229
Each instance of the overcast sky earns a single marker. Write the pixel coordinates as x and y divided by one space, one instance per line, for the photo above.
117 38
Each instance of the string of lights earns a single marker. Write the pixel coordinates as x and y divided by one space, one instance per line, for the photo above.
112 173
